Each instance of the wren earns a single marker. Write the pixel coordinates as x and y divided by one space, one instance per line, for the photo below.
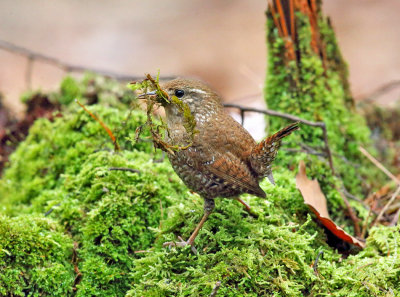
223 159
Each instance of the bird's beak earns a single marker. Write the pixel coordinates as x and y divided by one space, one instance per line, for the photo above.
143 96
157 98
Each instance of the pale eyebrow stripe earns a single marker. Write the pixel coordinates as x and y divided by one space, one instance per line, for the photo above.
198 91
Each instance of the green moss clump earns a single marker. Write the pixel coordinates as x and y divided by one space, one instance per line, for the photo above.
62 171
81 229
375 271
251 257
272 255
35 257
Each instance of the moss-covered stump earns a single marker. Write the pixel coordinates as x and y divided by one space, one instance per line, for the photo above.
308 77
70 226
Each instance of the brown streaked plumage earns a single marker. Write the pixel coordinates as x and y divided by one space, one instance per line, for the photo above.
224 160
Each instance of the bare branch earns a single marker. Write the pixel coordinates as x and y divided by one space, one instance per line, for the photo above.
34 56
291 117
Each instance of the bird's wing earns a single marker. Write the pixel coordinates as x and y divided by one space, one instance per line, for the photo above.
232 171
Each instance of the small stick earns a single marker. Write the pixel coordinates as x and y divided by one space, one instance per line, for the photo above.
315 266
378 164
215 289
387 205
352 215
381 90
51 209
124 169
352 197
108 130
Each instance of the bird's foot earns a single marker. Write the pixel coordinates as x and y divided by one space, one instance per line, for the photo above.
181 243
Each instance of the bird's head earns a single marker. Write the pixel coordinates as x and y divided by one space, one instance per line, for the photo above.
201 99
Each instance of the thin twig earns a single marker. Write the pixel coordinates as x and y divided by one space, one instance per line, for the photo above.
277 114
124 169
379 165
352 215
381 90
315 266
215 289
51 209
311 150
294 118
105 127
387 205
7 46
352 197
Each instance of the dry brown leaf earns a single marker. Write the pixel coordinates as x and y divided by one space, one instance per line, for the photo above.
315 199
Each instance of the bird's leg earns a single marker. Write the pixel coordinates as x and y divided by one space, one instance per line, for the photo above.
247 207
208 209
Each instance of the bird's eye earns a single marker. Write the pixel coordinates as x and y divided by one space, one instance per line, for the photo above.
179 93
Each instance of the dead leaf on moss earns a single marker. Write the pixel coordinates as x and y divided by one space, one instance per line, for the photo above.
315 199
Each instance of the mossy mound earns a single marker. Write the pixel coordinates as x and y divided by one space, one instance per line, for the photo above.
85 230
35 257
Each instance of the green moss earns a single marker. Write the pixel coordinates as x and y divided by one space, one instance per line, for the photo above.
35 257
268 256
317 89
58 192
62 170
189 121
70 90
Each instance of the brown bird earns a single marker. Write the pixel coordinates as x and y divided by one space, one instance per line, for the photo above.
223 160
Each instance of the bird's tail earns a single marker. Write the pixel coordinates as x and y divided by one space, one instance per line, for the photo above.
264 153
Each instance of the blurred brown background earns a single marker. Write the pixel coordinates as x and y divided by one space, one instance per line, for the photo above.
221 42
